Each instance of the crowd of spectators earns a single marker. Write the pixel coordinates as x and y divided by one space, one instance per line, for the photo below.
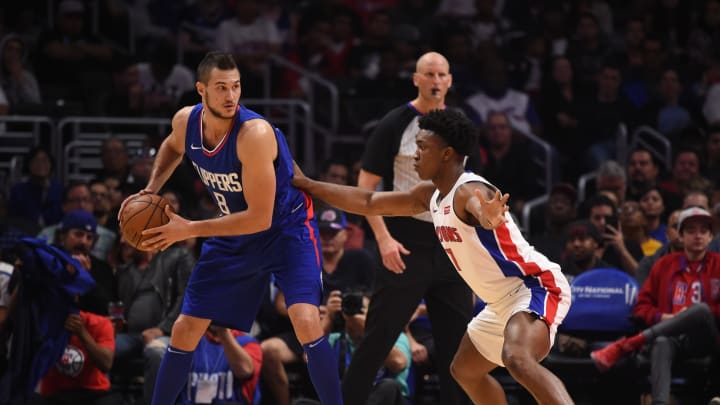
568 72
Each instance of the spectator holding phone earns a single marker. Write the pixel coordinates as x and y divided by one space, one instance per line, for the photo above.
614 248
582 240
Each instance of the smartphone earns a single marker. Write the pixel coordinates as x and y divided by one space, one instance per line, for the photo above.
611 220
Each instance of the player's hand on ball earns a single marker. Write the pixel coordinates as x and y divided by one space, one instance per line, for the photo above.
162 237
130 198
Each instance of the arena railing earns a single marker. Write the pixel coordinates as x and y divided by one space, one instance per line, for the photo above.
19 134
544 160
527 212
327 127
79 138
655 142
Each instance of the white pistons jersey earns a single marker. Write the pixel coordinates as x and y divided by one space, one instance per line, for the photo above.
494 263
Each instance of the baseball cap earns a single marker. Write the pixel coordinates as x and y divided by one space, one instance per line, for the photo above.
566 189
692 213
332 218
79 219
71 6
583 228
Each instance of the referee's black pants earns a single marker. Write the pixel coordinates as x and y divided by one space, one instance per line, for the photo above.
428 274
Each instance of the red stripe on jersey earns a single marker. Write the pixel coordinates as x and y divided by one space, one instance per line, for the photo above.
310 213
546 278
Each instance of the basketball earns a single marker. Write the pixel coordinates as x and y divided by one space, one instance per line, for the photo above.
141 213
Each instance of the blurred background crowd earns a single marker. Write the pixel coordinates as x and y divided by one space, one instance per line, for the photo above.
600 118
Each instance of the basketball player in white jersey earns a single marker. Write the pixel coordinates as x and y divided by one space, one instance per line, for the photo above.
526 294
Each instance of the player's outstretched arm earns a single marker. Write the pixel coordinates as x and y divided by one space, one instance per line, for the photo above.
485 205
366 202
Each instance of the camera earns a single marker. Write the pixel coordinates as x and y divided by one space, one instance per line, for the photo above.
352 302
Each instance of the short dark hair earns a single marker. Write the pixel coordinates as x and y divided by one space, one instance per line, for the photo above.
214 59
598 200
72 184
454 127
638 149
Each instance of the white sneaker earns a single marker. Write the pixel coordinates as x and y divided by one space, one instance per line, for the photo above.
715 401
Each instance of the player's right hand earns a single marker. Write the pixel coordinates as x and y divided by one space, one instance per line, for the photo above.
390 250
129 198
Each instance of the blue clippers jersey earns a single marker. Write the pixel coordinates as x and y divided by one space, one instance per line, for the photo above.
221 171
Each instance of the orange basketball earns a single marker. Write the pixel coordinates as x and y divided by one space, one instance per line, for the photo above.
141 213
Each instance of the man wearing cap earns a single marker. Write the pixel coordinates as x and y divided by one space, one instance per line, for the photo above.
343 270
76 235
679 302
582 239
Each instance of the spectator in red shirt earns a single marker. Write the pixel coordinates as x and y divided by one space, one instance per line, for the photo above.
680 302
80 376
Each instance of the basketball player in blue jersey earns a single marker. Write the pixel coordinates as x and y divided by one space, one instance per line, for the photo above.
527 296
267 226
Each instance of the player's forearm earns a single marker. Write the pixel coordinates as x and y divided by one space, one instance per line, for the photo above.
346 198
238 223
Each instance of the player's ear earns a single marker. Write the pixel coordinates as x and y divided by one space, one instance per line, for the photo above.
200 87
447 153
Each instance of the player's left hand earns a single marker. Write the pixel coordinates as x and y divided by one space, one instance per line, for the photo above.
493 210
165 235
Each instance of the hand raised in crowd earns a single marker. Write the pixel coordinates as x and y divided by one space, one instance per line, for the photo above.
334 303
74 324
613 236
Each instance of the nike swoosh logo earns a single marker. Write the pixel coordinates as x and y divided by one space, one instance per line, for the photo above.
311 345
297 208
170 349
193 147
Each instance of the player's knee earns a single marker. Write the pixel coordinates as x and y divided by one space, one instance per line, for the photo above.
306 323
518 362
457 371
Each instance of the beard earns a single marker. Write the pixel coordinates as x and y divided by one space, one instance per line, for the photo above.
217 114
80 250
